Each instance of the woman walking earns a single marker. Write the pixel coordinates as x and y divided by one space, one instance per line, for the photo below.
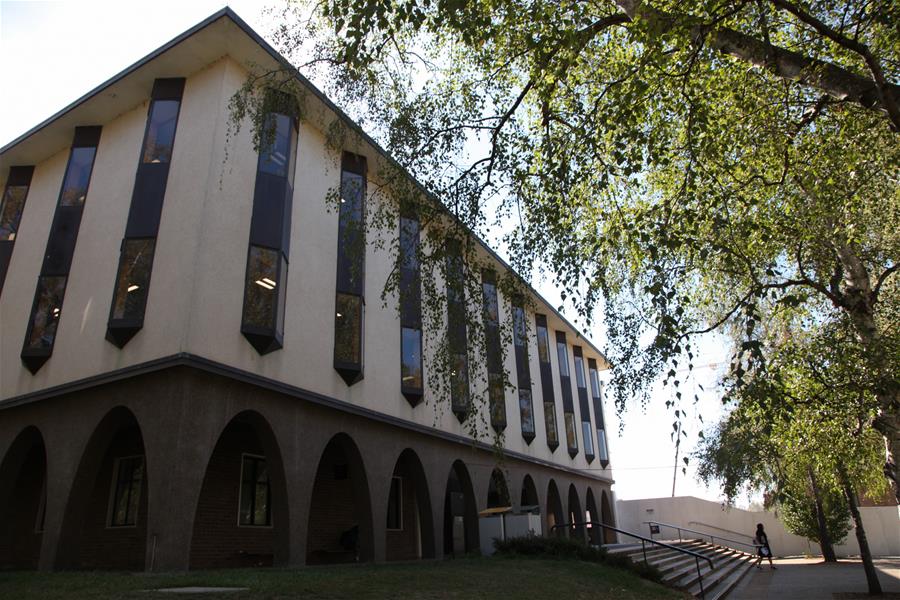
762 546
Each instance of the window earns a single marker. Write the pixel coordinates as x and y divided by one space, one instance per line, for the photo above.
132 285
349 296
411 364
11 211
456 331
565 383
549 399
46 312
160 135
40 335
78 175
523 371
411 376
255 506
133 279
491 319
596 393
395 505
583 404
126 495
265 284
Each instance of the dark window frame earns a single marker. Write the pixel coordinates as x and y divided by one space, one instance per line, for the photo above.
565 384
587 426
255 459
551 423
600 425
19 177
490 298
523 368
399 504
130 484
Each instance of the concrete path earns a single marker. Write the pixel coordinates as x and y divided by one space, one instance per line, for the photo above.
812 579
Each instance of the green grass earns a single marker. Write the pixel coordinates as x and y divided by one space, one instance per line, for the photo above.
471 578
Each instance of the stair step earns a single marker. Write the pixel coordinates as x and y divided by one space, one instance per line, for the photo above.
725 583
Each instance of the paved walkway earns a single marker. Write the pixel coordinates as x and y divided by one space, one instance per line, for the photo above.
812 579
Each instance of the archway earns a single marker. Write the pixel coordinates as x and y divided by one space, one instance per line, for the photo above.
498 491
575 513
595 532
242 518
606 515
105 523
409 525
529 498
340 513
460 513
23 498
555 513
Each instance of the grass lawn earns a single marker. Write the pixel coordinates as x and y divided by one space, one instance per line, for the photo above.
482 578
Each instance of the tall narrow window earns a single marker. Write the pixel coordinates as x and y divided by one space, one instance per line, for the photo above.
491 319
349 312
456 331
523 372
126 494
129 302
596 393
395 505
411 374
46 310
11 206
587 433
256 493
543 346
565 383
265 281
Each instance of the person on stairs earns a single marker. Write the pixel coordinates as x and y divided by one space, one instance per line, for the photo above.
762 546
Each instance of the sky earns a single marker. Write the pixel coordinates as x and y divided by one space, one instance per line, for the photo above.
52 53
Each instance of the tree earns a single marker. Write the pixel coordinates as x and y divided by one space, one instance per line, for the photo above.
809 411
679 165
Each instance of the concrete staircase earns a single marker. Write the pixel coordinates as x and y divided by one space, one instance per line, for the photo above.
680 570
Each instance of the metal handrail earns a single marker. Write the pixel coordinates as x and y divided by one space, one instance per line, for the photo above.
697 556
719 528
712 538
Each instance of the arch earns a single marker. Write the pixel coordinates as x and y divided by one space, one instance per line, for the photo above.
608 517
241 517
529 495
555 513
595 532
340 512
105 521
409 520
498 491
23 498
460 512
575 514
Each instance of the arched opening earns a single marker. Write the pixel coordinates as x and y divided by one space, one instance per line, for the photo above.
409 527
340 513
23 498
595 532
498 491
105 523
606 515
460 513
241 518
529 498
555 513
575 514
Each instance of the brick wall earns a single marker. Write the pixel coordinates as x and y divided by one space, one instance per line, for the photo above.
332 511
218 540
20 544
104 547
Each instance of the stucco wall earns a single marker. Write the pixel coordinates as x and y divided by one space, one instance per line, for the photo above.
882 525
196 292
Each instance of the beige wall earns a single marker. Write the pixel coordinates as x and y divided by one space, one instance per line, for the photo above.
882 525
196 290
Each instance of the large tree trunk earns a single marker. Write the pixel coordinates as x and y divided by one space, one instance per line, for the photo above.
824 536
864 552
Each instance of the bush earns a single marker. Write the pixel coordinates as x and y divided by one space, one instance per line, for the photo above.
570 549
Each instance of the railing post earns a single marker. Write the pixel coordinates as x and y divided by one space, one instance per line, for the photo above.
644 550
700 578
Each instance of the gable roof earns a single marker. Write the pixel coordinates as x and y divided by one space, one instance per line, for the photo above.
191 51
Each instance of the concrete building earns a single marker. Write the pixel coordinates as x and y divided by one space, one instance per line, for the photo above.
221 413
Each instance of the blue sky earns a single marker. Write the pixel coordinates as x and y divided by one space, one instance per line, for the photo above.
51 53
